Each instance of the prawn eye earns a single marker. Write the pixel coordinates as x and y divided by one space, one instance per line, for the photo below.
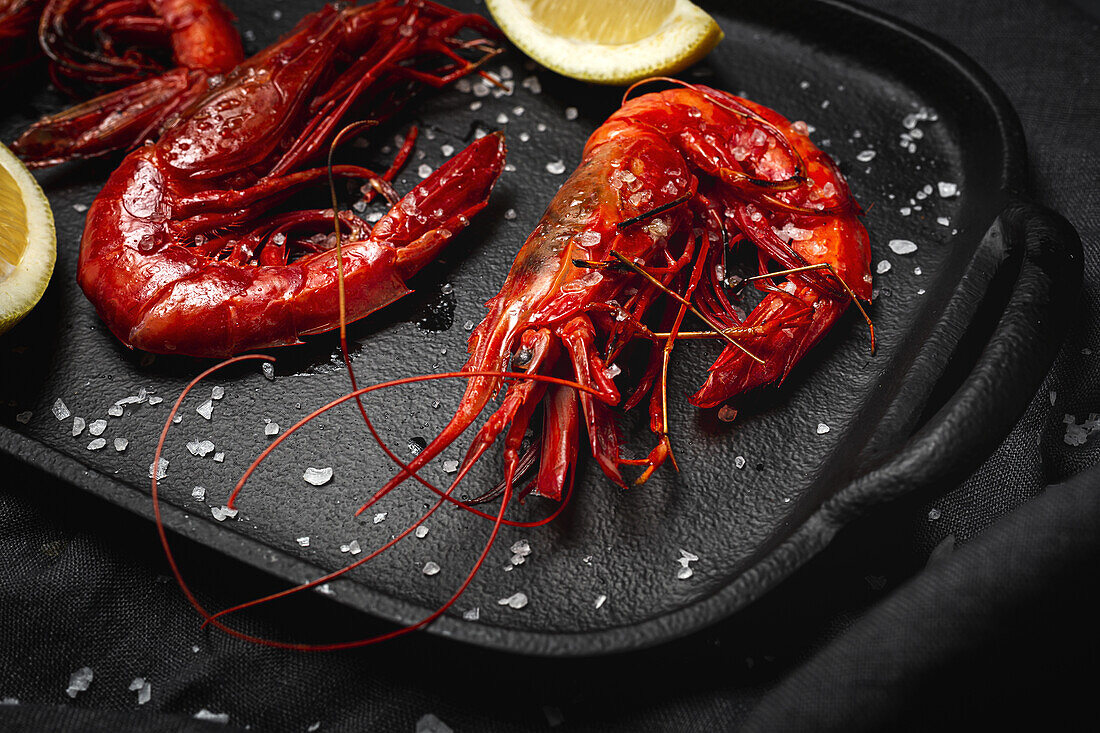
522 358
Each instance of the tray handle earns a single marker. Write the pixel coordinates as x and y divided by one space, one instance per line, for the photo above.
1003 379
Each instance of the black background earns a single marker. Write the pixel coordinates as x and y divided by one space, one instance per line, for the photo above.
905 622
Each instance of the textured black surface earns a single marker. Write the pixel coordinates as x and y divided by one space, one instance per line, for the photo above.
750 527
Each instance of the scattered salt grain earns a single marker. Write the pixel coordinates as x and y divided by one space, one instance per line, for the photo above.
510 214
424 170
115 410
532 84
205 714
475 106
943 221
97 444
430 568
1053 397
934 514
866 156
80 208
541 127
60 411
145 693
78 426
198 493
314 727
450 466
902 246
268 369
219 457
946 189
379 517
739 461
318 476
516 600
272 428
905 210
473 614
600 600
570 113
155 400
447 150
136 684
684 573
502 119
920 291
803 85
354 548
883 267
121 443
822 428
431 724
206 409
24 417
217 392
521 547
303 541
96 427
326 590
686 557
161 467
557 167
918 271
79 681
222 512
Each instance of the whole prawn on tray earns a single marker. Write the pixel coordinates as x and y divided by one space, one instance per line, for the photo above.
190 249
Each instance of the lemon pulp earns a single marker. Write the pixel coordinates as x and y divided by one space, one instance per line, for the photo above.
28 243
608 42
601 22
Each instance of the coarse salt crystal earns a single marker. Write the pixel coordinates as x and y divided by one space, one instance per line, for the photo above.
739 461
96 427
430 568
161 468
502 119
866 156
902 246
121 443
79 681
600 600
521 547
510 214
883 267
684 573
222 512
272 428
136 684
198 493
557 167
219 457
450 466
947 189
473 614
532 84
60 411
206 409
317 476
155 400
97 444
80 208
145 693
268 370
424 170
570 113
217 392
78 426
303 541
516 600
115 410
822 428
205 714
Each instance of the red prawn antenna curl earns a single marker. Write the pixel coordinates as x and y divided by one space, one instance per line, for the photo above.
214 618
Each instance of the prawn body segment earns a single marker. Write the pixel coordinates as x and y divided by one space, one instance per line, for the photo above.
184 250
636 235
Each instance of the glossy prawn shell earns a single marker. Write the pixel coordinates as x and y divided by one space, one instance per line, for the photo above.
155 294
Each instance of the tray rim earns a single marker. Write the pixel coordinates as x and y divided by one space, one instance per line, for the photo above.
815 533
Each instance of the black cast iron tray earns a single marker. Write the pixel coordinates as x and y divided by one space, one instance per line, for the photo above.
967 326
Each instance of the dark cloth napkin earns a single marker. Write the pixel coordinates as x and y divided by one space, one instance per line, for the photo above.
975 606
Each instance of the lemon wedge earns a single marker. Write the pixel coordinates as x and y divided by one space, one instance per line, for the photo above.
28 243
608 42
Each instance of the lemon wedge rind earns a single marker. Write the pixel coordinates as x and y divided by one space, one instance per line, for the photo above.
686 36
22 284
